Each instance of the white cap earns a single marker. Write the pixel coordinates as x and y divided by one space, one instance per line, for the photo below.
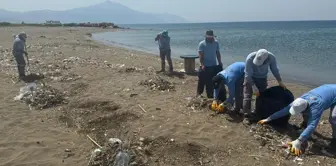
260 57
299 105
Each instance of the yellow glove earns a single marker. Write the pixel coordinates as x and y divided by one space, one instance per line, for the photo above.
295 147
221 107
214 105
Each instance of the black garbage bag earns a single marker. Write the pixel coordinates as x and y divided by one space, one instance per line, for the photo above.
273 100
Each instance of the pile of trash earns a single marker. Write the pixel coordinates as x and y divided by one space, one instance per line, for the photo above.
268 136
71 60
198 103
60 73
265 134
67 77
158 83
130 69
115 153
41 97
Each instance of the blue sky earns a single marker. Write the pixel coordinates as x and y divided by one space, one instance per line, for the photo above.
201 10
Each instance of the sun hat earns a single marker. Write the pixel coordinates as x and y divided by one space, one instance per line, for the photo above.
165 33
260 57
209 33
299 105
23 34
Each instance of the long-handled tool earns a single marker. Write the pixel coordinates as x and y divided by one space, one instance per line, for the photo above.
28 66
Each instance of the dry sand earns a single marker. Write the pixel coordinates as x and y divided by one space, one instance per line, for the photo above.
104 87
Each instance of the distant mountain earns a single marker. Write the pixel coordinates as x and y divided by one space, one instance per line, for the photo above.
104 12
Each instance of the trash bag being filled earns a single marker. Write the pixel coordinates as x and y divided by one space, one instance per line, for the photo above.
273 100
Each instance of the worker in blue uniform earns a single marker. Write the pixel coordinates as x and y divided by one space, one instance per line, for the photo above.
233 78
312 104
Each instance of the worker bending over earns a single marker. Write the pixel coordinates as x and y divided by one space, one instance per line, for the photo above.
312 105
233 78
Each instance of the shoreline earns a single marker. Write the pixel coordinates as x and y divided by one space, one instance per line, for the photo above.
288 78
114 92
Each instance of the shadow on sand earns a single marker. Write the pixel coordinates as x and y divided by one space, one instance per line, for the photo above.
32 77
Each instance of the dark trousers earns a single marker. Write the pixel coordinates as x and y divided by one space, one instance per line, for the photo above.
332 120
205 79
21 64
218 83
239 93
163 55
261 84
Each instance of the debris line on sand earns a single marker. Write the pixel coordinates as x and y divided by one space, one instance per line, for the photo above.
158 83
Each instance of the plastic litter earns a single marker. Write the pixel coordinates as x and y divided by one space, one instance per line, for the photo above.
96 152
113 141
25 91
40 97
122 159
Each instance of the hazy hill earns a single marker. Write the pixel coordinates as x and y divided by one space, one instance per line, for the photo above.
104 12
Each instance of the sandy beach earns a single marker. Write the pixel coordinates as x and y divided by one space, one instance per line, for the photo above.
103 88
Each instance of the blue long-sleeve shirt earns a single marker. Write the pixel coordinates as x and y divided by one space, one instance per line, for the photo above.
251 70
319 99
230 75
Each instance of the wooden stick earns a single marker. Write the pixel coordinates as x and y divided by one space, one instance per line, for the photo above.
94 142
256 156
142 108
13 81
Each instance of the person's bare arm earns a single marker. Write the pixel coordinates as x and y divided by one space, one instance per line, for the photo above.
218 54
219 58
201 54
201 57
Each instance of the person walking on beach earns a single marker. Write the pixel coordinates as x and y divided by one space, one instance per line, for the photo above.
165 51
233 77
312 105
19 51
208 51
256 70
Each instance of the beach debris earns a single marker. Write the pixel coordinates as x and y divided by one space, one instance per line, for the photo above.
130 69
114 141
298 160
113 153
325 152
122 159
71 60
268 137
25 91
198 103
70 77
142 108
133 94
67 150
57 75
41 97
93 141
158 83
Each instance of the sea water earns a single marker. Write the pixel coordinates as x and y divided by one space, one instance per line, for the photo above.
305 50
